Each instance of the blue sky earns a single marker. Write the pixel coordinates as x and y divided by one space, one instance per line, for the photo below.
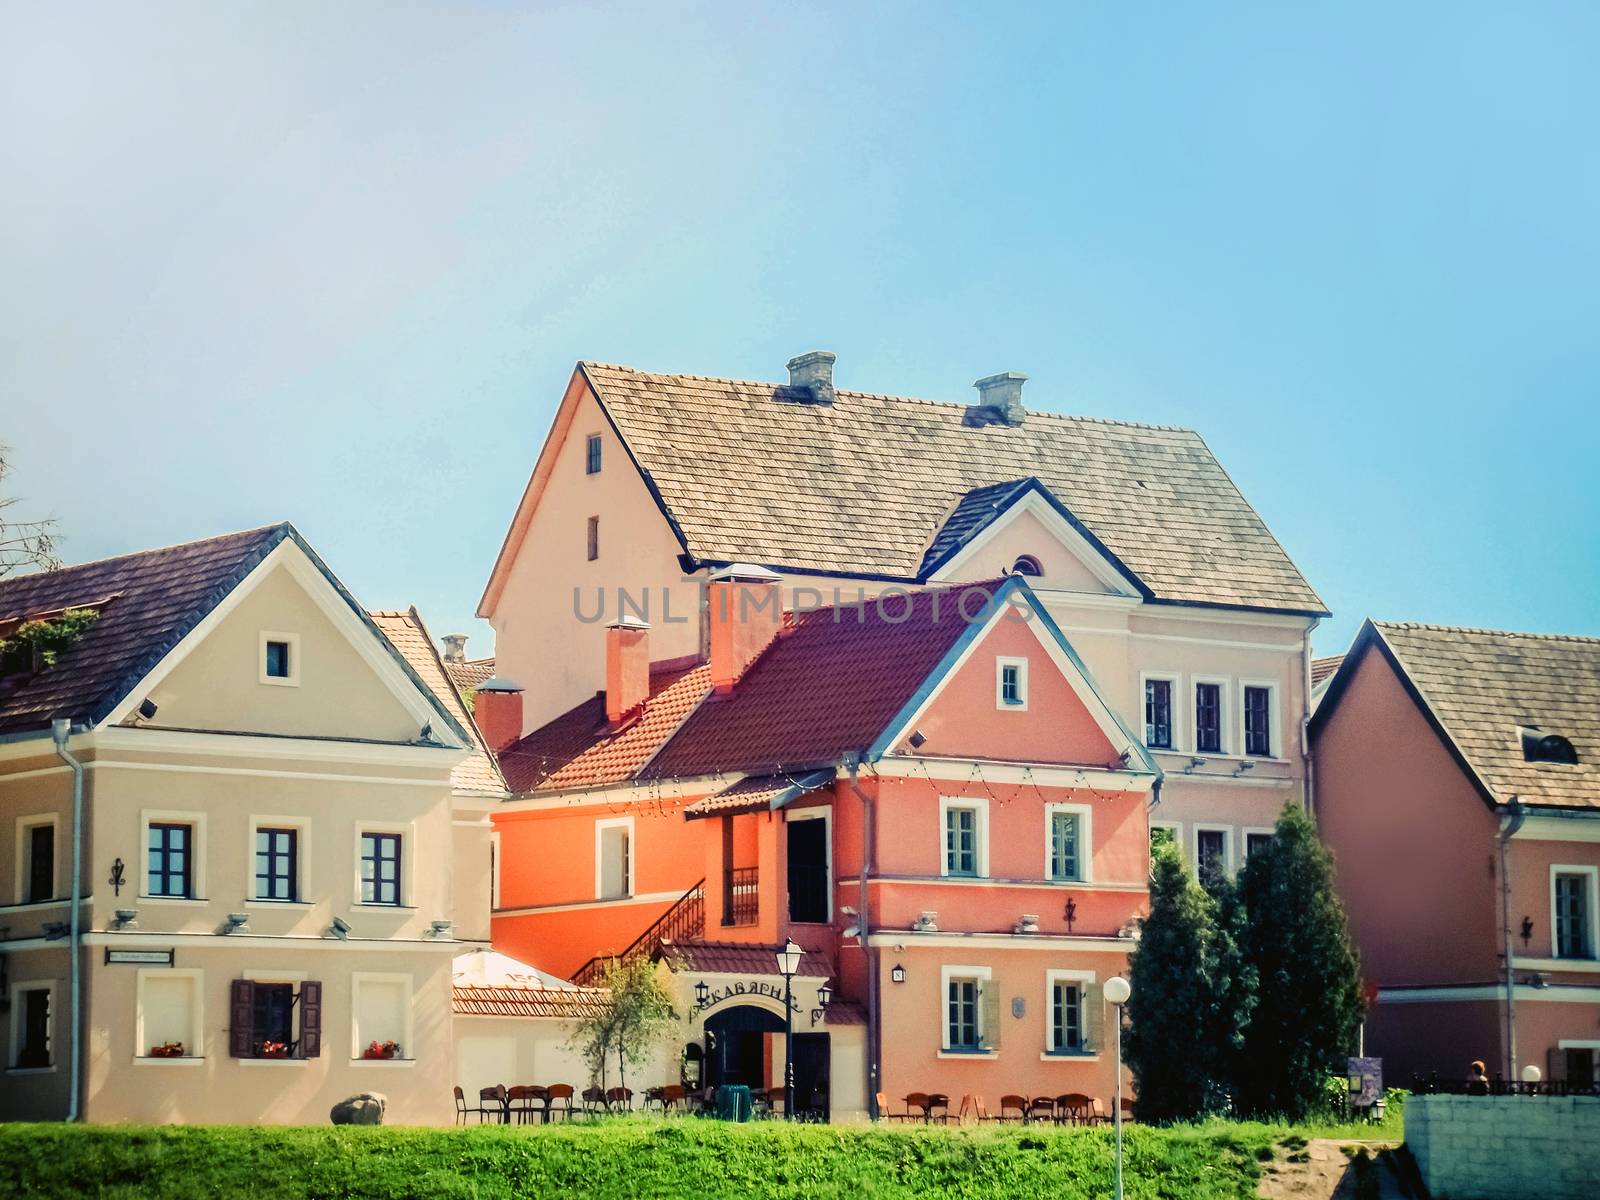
335 262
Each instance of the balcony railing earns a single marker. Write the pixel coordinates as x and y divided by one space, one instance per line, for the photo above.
740 896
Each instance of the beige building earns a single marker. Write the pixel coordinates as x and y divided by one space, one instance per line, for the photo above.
276 839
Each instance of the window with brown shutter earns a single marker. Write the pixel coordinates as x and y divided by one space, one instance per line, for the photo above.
241 1018
310 1019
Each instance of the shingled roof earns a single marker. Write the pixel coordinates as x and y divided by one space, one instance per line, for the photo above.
477 773
469 673
147 602
1483 687
862 486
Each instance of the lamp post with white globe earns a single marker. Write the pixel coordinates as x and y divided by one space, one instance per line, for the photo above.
1117 992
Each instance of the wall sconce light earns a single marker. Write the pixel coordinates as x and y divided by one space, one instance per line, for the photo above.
897 973
702 993
1527 931
824 994
126 918
237 923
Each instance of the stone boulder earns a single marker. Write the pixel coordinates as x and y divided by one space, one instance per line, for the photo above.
363 1109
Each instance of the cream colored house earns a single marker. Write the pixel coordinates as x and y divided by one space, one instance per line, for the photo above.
263 841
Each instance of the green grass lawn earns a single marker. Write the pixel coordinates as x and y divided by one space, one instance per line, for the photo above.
638 1157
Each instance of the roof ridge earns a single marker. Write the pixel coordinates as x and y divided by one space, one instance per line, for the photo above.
109 558
1435 628
848 392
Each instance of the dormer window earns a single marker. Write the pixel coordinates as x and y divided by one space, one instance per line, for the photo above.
280 659
1547 748
1028 565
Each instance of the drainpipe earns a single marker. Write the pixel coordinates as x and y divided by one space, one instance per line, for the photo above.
868 850
1512 821
1305 726
59 729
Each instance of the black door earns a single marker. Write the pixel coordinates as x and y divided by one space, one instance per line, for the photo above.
811 1054
733 1051
808 871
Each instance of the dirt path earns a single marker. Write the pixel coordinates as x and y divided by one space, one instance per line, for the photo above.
1323 1169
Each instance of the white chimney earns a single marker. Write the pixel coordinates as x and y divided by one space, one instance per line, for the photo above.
812 373
455 647
999 400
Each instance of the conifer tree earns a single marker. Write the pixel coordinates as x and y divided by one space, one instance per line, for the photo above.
1295 938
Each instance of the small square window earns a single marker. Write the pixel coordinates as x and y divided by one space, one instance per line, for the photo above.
594 538
280 659
592 455
1011 683
1255 843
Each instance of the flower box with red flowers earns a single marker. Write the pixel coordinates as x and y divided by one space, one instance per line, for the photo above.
167 1050
382 1050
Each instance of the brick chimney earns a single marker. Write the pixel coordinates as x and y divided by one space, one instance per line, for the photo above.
627 670
812 374
497 708
999 400
745 606
455 647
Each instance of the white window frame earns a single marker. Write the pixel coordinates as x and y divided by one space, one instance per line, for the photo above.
1177 833
302 854
599 857
197 854
1175 680
1085 815
825 815
292 640
408 842
24 875
51 1026
494 870
358 1042
1592 892
980 828
1229 847
1001 662
195 1042
1084 981
1225 716
1274 691
1244 840
947 974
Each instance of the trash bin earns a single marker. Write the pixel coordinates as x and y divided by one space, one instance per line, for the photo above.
734 1103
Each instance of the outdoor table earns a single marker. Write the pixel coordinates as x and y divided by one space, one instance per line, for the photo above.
734 1102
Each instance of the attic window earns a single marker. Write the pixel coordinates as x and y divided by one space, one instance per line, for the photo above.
1548 748
280 659
1028 565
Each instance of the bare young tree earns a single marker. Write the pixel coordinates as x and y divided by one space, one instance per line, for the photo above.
24 545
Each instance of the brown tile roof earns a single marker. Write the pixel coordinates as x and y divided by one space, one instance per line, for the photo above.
469 674
746 475
155 598
409 636
1484 686
756 793
1322 669
494 1000
740 958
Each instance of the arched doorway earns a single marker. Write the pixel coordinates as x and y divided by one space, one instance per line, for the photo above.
734 1044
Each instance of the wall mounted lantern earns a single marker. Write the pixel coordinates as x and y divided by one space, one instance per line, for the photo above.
897 973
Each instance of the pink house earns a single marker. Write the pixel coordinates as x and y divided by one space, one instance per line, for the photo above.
1458 784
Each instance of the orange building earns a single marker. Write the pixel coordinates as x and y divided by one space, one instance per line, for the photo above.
929 794
1458 786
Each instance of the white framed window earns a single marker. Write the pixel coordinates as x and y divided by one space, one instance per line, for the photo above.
613 858
279 858
1011 684
174 866
1255 839
1161 694
1212 725
1066 1008
383 869
279 658
1212 852
1170 832
1574 911
380 1013
1259 726
278 1012
1068 842
168 1015
39 859
971 1018
964 825
33 1025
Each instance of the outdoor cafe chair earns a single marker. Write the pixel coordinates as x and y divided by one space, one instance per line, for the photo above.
674 1096
520 1102
558 1100
594 1100
916 1106
1042 1108
652 1095
461 1105
619 1098
939 1108
492 1104
1127 1109
1013 1104
1074 1108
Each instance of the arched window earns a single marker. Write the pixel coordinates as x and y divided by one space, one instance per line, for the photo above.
1547 747
1027 564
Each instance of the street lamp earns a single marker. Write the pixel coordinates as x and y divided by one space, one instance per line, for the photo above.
1117 992
788 964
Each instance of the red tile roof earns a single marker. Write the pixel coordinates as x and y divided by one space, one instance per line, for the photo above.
578 748
1322 669
756 793
469 674
740 958
486 1000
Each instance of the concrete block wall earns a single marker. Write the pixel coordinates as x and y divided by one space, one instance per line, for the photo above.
1506 1147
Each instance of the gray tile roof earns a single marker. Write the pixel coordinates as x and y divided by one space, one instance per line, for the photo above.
862 486
1483 686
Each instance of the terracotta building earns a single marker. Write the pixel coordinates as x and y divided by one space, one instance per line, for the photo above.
1458 784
